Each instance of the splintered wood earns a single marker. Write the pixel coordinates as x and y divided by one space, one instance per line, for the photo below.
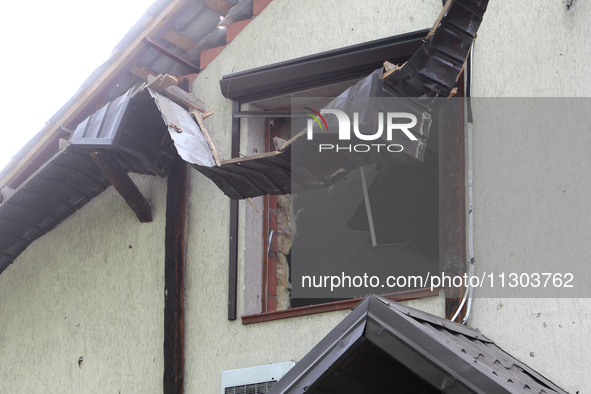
214 150
440 18
168 87
208 113
390 69
161 82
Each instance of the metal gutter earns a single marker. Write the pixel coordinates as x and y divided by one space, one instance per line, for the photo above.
325 68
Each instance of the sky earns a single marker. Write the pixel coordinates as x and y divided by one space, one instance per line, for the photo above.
49 49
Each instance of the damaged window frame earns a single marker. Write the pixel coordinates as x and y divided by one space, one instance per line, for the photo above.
434 70
262 296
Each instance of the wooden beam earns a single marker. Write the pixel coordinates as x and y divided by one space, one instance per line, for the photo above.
179 40
124 185
115 53
208 113
222 7
181 97
174 279
162 82
141 71
96 90
214 150
439 18
166 52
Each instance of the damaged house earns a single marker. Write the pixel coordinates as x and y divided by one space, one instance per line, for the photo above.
201 217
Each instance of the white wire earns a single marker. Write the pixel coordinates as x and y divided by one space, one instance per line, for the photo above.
469 289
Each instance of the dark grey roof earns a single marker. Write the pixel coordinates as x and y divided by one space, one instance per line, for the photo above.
196 21
383 346
130 127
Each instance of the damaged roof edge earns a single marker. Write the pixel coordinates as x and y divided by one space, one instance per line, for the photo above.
450 358
97 82
131 130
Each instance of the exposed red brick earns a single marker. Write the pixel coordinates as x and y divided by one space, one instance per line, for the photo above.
271 306
208 55
233 29
273 202
272 265
272 285
259 5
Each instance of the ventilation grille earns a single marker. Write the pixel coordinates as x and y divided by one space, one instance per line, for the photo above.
255 388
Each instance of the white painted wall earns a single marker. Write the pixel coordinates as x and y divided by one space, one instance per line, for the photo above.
91 288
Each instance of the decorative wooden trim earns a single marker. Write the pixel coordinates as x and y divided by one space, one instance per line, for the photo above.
174 277
124 185
333 306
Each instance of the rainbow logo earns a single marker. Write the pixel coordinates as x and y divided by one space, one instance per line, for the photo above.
315 115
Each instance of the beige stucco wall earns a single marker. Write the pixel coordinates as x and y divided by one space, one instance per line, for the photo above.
531 186
91 288
529 49
284 30
80 291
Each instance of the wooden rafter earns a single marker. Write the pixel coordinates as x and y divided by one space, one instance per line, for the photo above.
180 96
124 185
142 71
222 7
93 93
179 40
166 52
162 82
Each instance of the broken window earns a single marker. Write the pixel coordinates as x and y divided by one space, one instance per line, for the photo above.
374 213
393 205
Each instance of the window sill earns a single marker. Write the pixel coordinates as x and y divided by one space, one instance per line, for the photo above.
333 306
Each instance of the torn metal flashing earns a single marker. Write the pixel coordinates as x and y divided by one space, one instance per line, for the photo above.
431 73
382 346
132 127
129 65
282 172
434 69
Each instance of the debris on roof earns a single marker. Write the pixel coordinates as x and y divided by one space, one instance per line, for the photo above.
132 61
430 73
382 346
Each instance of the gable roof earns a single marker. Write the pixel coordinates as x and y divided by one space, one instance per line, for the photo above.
170 38
384 346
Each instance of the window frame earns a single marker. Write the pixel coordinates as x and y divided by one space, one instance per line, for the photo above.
455 205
